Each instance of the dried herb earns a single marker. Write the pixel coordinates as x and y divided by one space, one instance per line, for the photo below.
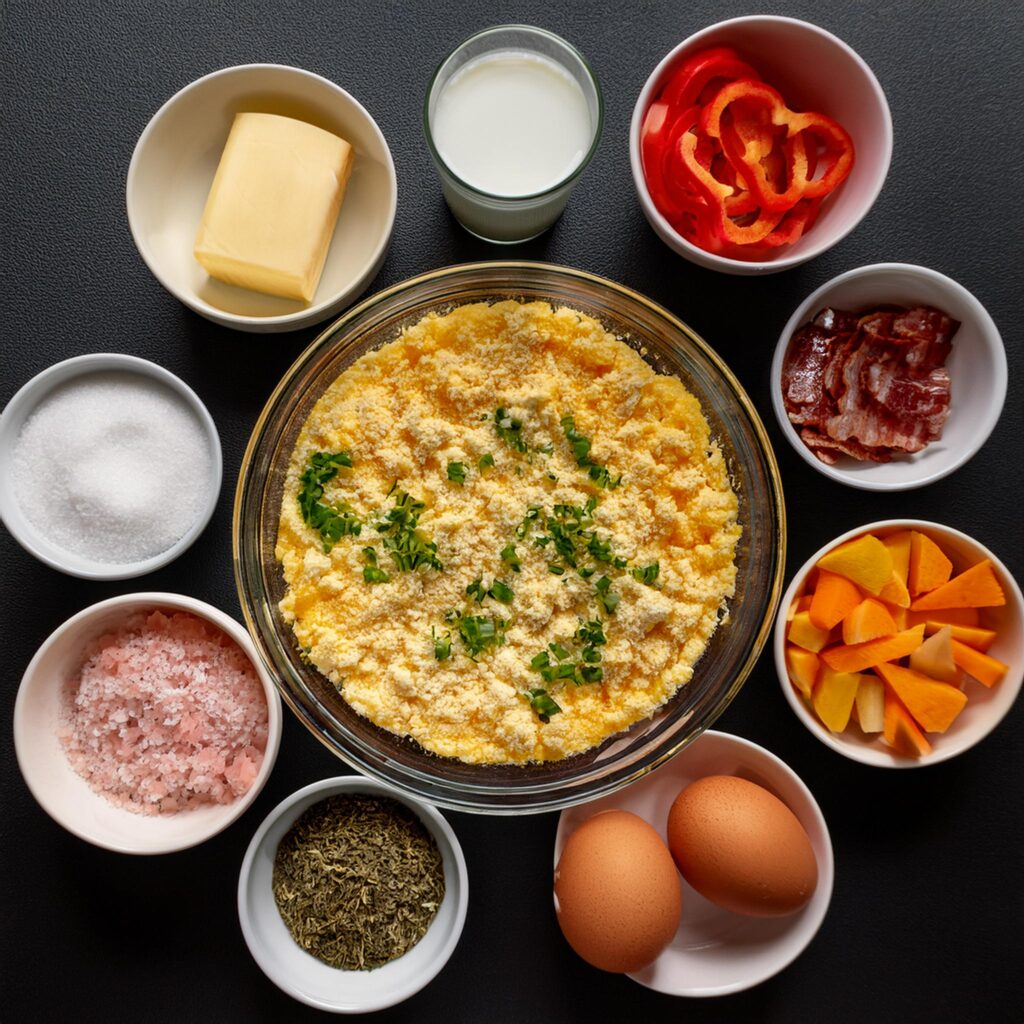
357 881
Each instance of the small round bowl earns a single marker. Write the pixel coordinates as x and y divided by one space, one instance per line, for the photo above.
173 166
985 707
311 981
670 347
814 71
21 407
62 792
716 952
977 369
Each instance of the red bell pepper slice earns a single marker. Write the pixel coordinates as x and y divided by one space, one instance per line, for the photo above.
696 72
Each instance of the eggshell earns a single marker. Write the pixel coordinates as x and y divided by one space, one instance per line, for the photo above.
741 847
617 892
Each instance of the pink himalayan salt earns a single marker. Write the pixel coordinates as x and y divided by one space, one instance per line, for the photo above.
165 714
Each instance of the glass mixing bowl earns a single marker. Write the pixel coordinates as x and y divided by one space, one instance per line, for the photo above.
670 347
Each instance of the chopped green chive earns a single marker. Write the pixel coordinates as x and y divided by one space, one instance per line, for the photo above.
485 462
479 632
371 574
510 558
581 450
542 703
509 429
607 599
442 645
647 573
335 521
409 550
457 472
501 592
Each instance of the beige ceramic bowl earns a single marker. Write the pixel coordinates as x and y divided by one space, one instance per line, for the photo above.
985 707
62 792
173 166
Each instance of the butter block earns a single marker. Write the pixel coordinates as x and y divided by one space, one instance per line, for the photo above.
273 205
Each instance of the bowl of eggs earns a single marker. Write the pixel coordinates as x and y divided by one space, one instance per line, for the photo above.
704 878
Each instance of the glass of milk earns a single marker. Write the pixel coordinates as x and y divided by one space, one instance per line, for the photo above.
512 117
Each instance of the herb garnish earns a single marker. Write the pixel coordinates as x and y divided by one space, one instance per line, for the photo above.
478 632
580 445
485 461
510 430
335 521
371 573
510 558
442 645
499 591
457 472
542 703
607 598
646 573
583 668
408 548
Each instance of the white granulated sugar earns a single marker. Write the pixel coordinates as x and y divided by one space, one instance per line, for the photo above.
112 466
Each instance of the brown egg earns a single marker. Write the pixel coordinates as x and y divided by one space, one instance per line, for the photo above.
617 892
741 847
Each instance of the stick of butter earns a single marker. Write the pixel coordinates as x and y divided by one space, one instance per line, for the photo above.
273 205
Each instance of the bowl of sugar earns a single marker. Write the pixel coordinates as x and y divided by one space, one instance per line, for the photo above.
146 723
110 466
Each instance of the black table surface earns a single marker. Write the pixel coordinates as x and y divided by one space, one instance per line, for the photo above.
925 919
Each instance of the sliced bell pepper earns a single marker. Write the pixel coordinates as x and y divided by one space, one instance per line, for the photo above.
696 72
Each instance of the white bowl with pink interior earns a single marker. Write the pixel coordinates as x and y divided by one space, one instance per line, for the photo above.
814 71
985 708
976 366
226 678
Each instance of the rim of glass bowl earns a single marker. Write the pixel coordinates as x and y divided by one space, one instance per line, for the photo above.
620 760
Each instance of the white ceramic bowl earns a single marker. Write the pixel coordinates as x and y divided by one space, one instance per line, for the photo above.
977 369
985 707
814 71
311 981
716 952
173 166
24 403
62 792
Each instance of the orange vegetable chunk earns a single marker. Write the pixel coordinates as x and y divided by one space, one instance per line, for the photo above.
857 657
801 604
899 547
934 705
871 704
803 668
833 698
946 616
895 592
866 561
869 620
929 566
976 587
983 667
934 658
901 731
804 633
834 598
979 639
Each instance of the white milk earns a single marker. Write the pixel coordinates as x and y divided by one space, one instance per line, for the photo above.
512 123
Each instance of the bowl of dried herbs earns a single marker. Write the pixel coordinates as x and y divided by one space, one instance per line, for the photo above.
352 896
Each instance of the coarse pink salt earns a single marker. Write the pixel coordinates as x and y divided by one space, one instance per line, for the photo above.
166 713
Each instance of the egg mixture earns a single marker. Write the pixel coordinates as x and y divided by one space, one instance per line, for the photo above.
505 536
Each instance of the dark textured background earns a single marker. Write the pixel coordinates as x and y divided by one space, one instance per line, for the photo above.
927 912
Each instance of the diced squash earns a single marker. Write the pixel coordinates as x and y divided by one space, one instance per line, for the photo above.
901 732
899 547
934 658
976 587
804 633
947 616
974 636
871 704
866 561
934 705
833 699
801 604
834 598
983 667
869 620
857 657
803 668
929 566
901 616
895 592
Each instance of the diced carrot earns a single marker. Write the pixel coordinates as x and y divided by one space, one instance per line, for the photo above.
869 620
900 616
983 667
834 694
946 616
895 592
803 668
866 561
929 566
901 732
973 636
834 597
899 547
857 657
976 587
934 705
804 633
801 604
